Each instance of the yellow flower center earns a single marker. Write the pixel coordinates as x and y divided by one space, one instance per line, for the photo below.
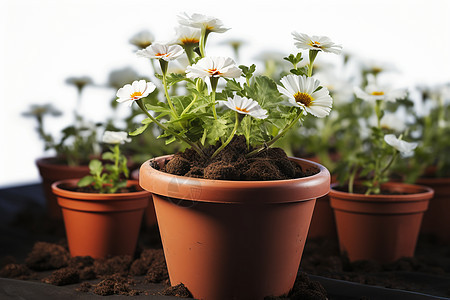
160 54
303 98
191 40
376 93
242 109
213 72
135 95
315 44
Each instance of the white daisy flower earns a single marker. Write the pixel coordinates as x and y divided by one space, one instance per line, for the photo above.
161 51
207 23
41 110
406 149
214 67
135 91
301 92
187 35
393 122
319 43
245 106
115 137
142 39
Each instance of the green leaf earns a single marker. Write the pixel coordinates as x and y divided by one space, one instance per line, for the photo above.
85 181
95 166
108 156
139 130
216 129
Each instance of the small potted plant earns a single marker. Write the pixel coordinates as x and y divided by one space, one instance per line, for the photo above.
103 211
73 148
430 165
233 212
376 218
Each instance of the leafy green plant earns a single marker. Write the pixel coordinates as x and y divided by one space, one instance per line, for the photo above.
254 106
108 177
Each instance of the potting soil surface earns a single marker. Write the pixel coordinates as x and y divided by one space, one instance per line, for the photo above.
35 264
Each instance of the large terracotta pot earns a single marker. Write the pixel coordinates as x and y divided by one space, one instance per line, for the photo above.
149 214
234 239
101 225
382 228
52 170
436 220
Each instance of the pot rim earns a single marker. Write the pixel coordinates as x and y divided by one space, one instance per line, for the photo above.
421 193
228 191
57 190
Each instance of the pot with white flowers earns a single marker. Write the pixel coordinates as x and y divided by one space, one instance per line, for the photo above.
232 211
376 219
103 211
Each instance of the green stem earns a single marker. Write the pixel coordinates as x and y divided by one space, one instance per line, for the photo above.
312 57
164 65
189 49
192 144
202 43
351 180
285 130
214 81
236 125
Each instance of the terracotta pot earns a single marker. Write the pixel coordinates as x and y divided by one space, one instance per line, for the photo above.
323 224
101 225
234 239
51 171
149 214
436 220
382 228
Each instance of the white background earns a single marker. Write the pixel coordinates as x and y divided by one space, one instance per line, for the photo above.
42 42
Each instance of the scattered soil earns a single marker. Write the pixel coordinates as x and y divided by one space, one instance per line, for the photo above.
118 275
231 164
420 273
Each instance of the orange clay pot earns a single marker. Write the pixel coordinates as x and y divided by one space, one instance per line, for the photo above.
52 171
101 225
149 214
234 239
436 220
323 224
382 228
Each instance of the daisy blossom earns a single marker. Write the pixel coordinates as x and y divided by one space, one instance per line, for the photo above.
214 67
207 23
135 91
187 35
374 91
392 122
302 92
115 137
142 39
405 148
318 43
161 51
245 106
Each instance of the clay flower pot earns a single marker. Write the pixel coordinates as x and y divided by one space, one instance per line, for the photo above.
51 170
382 228
149 214
436 220
101 225
234 239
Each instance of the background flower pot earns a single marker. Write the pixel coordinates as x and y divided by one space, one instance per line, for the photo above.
436 220
51 170
101 225
149 214
383 228
234 239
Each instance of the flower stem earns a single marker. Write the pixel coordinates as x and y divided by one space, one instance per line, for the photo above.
214 81
202 43
187 141
164 64
312 57
236 125
281 134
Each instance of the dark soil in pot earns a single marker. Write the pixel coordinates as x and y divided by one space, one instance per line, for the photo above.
232 164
